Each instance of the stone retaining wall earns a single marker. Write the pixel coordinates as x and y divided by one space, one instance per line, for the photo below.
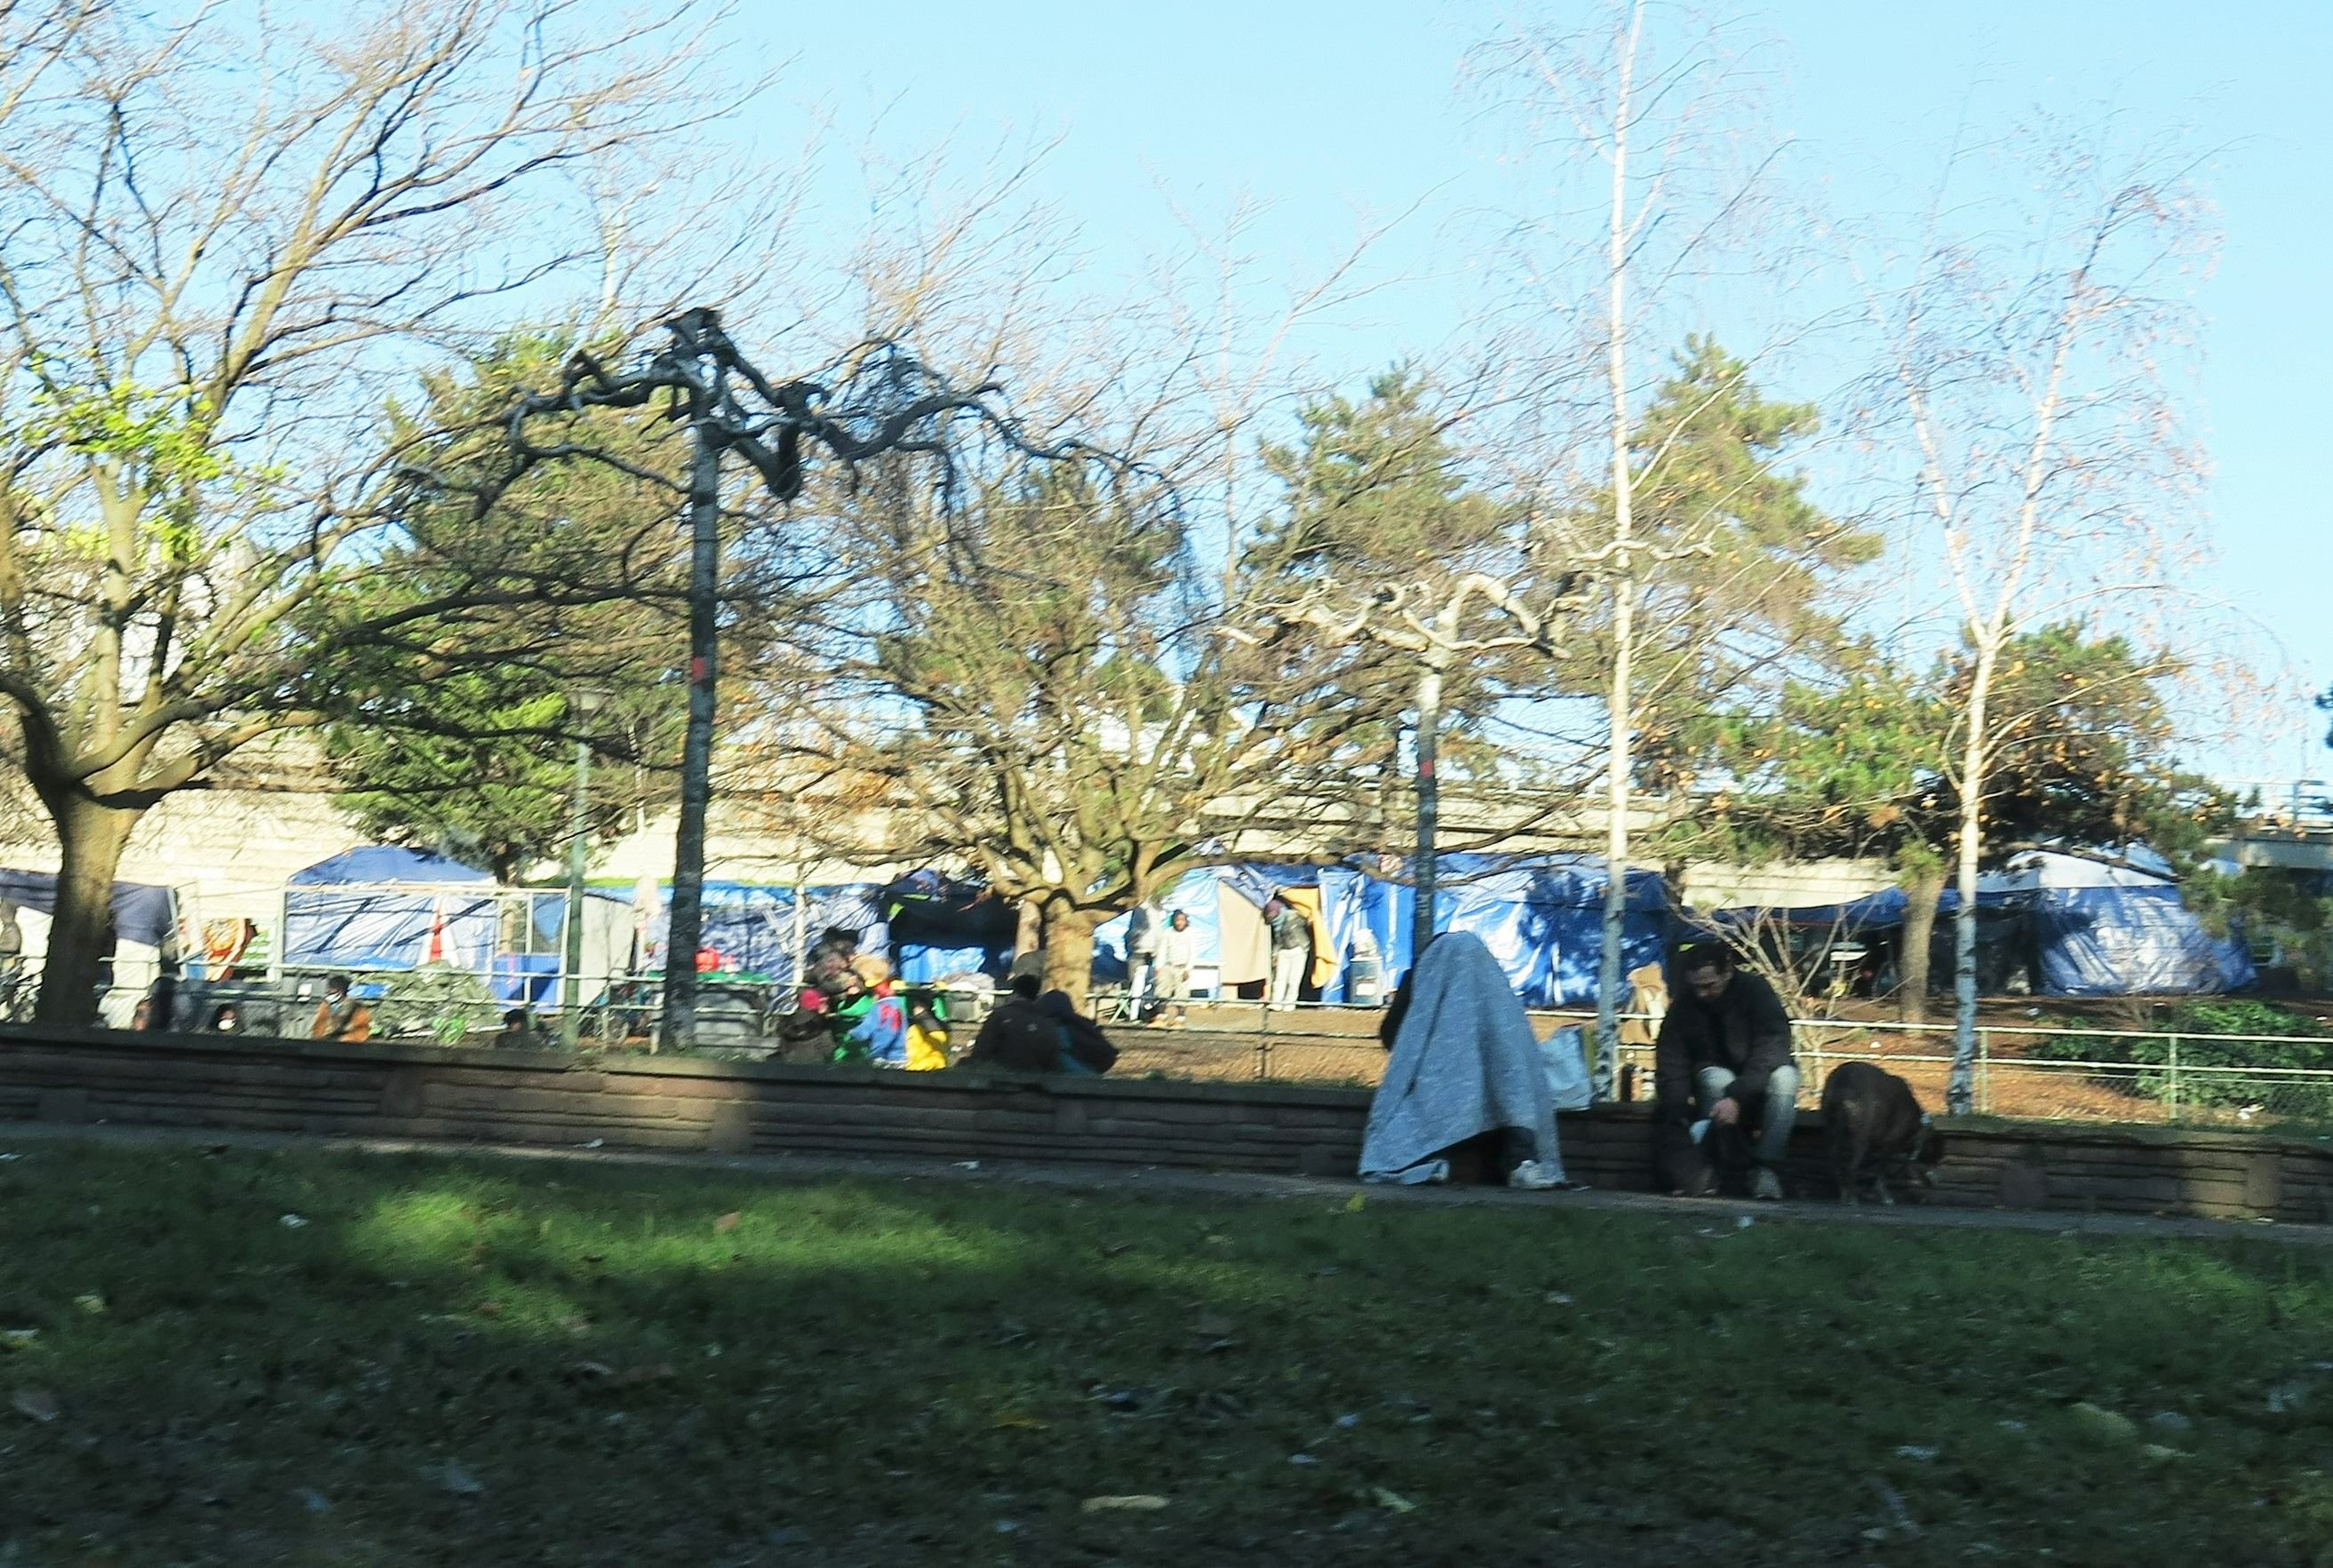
389 1090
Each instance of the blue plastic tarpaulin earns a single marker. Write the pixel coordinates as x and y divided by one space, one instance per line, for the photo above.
940 926
142 913
381 907
751 924
2104 925
1540 916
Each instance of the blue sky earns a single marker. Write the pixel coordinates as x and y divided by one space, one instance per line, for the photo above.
1325 110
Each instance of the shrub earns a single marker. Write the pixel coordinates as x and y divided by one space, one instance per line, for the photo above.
2210 1060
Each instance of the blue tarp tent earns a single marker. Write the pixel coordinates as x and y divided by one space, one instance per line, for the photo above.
2118 928
380 907
752 925
2103 926
1540 916
142 913
940 926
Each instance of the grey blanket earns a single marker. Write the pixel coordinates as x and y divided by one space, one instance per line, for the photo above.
1466 1062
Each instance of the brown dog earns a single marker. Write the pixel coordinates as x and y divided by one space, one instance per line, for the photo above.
1874 1123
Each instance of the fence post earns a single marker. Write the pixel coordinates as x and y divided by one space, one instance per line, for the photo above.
2171 1056
1984 1073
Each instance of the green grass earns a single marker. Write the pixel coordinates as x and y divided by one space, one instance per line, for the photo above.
872 1371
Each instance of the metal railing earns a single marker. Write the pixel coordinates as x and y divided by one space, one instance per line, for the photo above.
2156 1078
2123 1075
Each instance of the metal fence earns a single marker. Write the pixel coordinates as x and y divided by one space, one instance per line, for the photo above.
2021 1072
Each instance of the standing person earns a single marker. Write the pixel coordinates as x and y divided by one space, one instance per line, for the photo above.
341 1016
1178 951
1291 951
1724 1050
1141 959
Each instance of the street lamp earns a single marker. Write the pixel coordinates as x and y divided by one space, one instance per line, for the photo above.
879 399
583 705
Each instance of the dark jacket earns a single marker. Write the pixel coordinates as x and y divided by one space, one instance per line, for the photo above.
1745 1029
1019 1036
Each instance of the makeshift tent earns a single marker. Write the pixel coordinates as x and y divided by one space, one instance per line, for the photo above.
2118 928
533 978
383 908
2108 925
142 914
756 926
145 924
1540 916
939 927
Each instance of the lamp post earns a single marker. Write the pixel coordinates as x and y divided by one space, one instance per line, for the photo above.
878 400
582 706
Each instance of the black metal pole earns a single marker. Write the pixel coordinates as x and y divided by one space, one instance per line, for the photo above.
687 922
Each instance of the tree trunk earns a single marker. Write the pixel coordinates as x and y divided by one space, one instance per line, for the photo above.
1069 942
1619 700
1960 1088
1922 889
92 837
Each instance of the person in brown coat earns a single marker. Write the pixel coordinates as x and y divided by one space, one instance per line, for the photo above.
340 1016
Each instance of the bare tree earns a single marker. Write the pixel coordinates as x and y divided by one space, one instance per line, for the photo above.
207 286
2033 375
1648 114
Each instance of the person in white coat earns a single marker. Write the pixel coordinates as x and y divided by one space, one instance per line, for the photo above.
1178 951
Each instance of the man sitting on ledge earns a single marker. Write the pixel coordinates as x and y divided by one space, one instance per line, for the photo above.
1027 1033
1724 1051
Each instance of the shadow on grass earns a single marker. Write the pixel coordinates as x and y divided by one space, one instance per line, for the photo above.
520 1362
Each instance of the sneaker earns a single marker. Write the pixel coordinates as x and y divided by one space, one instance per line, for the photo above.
1766 1187
1532 1177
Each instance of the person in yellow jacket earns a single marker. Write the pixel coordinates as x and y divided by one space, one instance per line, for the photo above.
927 1031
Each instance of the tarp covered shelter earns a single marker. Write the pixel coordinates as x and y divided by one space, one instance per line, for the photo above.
2104 925
2117 928
941 925
384 907
757 928
142 913
1540 917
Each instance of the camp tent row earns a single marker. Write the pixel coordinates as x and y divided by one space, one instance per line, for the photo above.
2083 926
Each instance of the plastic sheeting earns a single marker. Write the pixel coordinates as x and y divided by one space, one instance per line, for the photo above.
380 907
142 913
2110 925
1542 917
940 926
752 925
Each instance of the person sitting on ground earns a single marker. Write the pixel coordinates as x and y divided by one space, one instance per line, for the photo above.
879 1031
1723 1053
517 1030
1018 1035
1467 1094
829 956
341 1016
928 1029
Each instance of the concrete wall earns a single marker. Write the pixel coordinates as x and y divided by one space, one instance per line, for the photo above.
685 1103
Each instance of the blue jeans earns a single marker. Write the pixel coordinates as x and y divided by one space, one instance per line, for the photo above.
1781 1106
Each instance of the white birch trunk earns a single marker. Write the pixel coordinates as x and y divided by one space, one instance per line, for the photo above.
1618 701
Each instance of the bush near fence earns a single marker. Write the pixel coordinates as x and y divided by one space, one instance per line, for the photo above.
2231 1052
